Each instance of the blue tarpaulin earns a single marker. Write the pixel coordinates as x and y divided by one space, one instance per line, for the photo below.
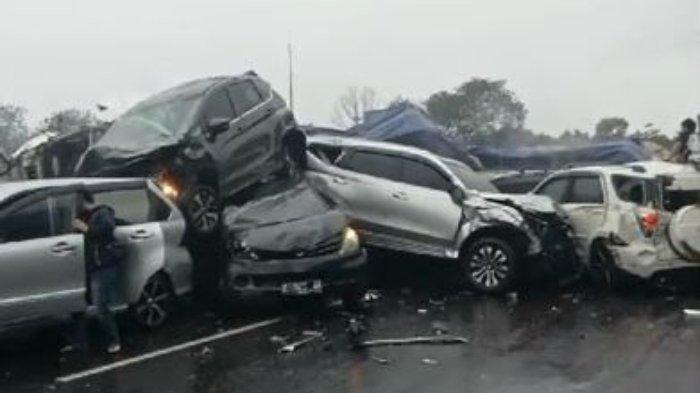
408 124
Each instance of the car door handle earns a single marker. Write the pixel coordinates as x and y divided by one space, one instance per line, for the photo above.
140 234
62 248
400 195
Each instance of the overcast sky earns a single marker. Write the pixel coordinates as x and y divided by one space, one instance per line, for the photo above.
571 62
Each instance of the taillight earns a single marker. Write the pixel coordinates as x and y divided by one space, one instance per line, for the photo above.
649 221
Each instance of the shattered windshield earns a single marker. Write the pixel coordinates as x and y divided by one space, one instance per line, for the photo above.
152 124
472 180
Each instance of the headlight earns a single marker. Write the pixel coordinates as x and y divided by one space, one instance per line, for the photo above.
351 242
169 190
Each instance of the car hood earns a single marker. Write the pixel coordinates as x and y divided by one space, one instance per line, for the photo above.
529 202
103 160
295 219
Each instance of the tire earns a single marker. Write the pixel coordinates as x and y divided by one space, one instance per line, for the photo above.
602 270
155 304
489 265
202 208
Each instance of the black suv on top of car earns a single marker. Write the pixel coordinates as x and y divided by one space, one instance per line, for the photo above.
203 141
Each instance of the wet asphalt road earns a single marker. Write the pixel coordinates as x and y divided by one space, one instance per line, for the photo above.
573 340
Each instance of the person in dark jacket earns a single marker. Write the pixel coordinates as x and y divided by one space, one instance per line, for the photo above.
97 222
680 151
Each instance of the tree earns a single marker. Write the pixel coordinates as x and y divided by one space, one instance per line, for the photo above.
575 137
478 108
13 127
352 105
68 121
611 128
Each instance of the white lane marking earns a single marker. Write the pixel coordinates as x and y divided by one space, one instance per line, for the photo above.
165 351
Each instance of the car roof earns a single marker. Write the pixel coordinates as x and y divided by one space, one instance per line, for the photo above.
349 141
10 188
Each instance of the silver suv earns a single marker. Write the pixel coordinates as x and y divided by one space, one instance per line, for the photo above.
42 262
408 199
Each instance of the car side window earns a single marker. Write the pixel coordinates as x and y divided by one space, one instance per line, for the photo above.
373 164
159 210
586 189
130 206
27 223
218 106
555 189
63 211
423 175
244 96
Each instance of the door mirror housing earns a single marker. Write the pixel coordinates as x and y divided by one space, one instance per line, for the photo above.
217 125
458 195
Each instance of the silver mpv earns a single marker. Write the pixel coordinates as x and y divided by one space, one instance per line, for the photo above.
42 262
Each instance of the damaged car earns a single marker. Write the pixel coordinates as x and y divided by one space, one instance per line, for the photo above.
42 260
641 219
290 240
407 199
202 141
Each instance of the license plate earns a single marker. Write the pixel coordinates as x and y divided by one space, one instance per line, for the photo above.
302 287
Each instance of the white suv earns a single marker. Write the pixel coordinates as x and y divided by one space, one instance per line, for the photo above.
643 218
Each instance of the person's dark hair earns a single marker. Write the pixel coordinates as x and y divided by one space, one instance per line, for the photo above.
689 124
87 196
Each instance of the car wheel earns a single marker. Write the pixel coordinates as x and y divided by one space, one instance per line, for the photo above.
201 205
489 265
602 270
155 304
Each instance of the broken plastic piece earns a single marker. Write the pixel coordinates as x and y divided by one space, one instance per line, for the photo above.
441 339
692 313
429 361
310 336
380 360
422 311
372 295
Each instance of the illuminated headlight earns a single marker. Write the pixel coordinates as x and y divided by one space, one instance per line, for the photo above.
351 242
169 189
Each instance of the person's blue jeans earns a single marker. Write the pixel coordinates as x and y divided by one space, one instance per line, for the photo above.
104 294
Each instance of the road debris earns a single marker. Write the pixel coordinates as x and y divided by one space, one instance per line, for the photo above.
275 339
422 311
440 328
311 335
430 340
380 360
692 313
437 302
372 295
429 361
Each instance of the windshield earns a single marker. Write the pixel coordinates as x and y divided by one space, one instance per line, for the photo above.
152 124
471 180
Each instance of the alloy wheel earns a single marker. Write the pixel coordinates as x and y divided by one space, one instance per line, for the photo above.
489 265
154 304
203 210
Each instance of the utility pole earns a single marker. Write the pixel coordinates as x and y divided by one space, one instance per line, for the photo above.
291 77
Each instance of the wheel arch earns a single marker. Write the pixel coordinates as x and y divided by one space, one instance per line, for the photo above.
506 232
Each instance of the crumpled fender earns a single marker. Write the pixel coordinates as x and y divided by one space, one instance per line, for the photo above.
479 213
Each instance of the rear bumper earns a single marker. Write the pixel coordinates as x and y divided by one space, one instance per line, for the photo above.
642 260
336 273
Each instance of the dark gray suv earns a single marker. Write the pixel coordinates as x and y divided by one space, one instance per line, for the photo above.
203 141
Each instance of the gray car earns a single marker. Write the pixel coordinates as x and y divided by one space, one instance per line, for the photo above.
42 262
203 141
408 199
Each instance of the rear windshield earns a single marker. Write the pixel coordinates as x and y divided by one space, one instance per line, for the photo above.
643 192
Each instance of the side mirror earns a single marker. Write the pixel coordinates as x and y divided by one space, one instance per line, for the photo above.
458 195
217 125
4 165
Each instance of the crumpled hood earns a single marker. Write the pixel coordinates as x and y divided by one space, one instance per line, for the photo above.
294 219
108 161
305 234
529 202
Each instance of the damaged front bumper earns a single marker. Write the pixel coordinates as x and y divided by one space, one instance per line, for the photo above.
330 273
